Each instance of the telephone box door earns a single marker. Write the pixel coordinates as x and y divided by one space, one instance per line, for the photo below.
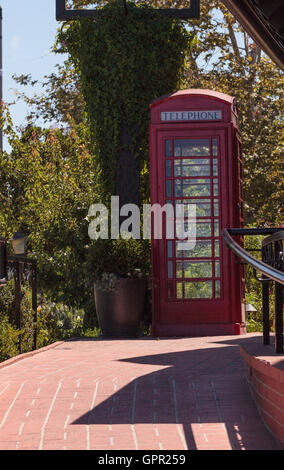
194 168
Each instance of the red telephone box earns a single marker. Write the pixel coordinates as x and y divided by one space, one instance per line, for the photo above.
196 158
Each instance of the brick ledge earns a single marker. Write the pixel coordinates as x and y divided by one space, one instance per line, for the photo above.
265 375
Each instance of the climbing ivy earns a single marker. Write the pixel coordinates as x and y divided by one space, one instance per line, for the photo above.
125 60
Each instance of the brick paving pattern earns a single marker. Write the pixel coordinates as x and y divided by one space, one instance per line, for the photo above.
146 394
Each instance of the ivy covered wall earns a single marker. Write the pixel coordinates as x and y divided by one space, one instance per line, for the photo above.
125 59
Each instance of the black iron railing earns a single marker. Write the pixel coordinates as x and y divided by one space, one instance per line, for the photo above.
23 268
20 268
272 269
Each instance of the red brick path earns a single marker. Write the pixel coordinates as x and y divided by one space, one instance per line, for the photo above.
148 394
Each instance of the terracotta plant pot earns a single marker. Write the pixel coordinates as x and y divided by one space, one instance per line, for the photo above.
120 312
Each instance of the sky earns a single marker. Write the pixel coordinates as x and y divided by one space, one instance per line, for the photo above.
29 29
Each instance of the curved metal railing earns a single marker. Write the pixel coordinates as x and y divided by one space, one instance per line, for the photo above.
272 269
265 268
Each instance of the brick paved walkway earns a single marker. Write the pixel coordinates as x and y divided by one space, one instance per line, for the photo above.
147 394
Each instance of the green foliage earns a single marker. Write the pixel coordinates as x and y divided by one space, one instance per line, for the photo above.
110 259
50 177
124 62
61 99
254 289
55 322
9 337
121 258
48 182
61 322
224 58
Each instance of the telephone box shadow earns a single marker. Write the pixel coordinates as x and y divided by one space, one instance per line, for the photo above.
194 387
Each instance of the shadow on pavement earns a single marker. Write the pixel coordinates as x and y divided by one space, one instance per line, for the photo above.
191 388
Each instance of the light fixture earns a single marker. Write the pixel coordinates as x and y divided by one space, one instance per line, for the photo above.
19 244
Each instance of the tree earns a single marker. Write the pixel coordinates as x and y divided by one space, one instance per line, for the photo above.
125 61
61 99
224 58
232 63
48 182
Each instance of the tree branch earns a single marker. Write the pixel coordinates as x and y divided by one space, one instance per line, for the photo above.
233 38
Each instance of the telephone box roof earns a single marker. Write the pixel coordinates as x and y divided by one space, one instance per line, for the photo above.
194 92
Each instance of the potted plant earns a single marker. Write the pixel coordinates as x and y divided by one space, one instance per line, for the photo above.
120 269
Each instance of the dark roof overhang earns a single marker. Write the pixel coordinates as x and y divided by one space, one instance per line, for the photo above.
264 22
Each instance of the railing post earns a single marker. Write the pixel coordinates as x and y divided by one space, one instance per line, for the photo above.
278 318
265 312
17 280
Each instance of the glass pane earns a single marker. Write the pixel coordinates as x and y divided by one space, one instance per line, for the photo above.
217 269
168 168
202 249
170 269
198 290
191 188
192 148
215 187
192 167
170 211
217 289
179 290
214 147
203 228
194 269
217 249
168 188
203 206
168 148
170 249
185 229
216 208
215 167
200 229
216 229
188 211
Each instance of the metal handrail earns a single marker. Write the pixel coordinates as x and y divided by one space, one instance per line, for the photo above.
272 257
275 237
264 268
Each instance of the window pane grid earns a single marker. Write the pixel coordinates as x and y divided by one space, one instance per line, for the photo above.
194 271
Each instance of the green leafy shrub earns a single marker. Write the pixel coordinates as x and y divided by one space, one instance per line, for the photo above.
7 314
60 321
254 289
109 260
56 173
55 321
9 339
120 258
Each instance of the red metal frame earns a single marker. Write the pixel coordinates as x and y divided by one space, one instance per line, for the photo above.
225 314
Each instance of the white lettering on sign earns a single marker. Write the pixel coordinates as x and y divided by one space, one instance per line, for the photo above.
191 115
